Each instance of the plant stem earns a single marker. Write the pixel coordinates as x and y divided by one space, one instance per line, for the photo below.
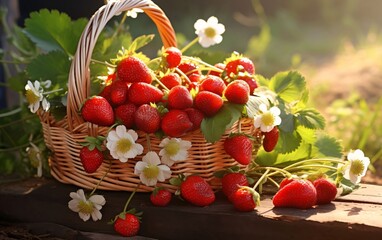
261 179
99 182
130 197
185 48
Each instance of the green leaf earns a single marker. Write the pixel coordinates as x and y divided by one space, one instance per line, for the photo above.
140 42
53 66
328 147
289 86
310 118
288 141
214 127
52 30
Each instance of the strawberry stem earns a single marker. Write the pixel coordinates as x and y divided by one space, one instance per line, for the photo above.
185 48
207 65
261 179
130 197
161 84
178 71
99 182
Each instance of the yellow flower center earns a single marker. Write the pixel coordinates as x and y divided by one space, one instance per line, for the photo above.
31 97
123 145
151 171
85 207
172 148
268 119
210 32
357 167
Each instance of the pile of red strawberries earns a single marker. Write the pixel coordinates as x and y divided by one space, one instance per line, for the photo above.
173 100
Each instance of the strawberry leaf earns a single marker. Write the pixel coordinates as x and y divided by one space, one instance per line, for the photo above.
54 66
310 118
140 42
214 127
52 30
328 147
289 86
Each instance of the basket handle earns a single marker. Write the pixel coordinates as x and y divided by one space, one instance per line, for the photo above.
79 75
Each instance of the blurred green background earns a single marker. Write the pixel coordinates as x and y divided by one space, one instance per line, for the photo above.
337 45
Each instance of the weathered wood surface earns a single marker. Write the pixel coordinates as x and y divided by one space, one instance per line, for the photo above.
355 216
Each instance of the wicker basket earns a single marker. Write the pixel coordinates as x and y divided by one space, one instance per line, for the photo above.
63 137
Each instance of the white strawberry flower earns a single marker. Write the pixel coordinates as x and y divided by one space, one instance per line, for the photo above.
86 207
174 150
150 169
209 32
268 118
133 13
356 166
121 143
34 95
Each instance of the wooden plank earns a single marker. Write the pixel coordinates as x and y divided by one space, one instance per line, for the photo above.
350 219
367 193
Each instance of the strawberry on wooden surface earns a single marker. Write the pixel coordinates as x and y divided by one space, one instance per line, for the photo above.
195 190
127 225
231 182
298 193
160 197
326 190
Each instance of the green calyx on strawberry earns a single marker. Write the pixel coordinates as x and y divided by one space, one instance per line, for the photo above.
245 199
160 197
127 223
97 110
239 147
194 189
91 154
236 64
298 193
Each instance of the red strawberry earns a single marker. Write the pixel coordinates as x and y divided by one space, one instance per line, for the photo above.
237 92
251 81
132 69
172 56
147 118
98 110
241 64
239 147
326 190
197 191
176 123
209 103
216 73
179 98
118 93
127 225
171 80
91 159
195 116
160 197
270 139
188 68
285 181
106 91
232 181
195 78
125 114
296 194
212 84
245 199
143 93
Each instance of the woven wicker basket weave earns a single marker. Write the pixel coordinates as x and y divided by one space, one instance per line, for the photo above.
63 137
